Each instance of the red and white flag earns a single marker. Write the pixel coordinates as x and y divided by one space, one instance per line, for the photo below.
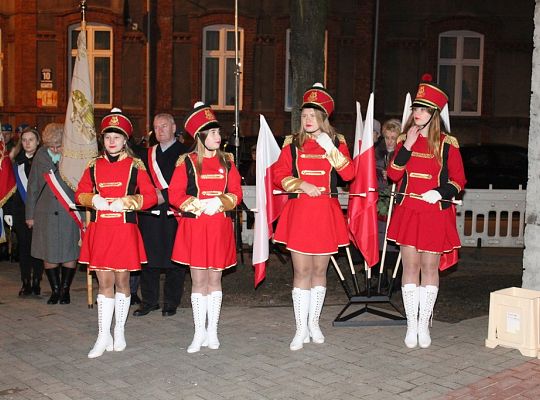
362 211
268 205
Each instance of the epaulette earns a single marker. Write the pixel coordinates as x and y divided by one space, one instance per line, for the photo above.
181 159
229 157
138 163
341 138
401 138
92 162
452 140
288 140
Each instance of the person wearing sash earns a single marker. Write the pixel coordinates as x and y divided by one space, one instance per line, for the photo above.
428 168
115 185
312 225
205 185
158 231
55 232
31 267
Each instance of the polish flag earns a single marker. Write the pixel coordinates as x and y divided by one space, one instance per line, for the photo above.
362 211
268 205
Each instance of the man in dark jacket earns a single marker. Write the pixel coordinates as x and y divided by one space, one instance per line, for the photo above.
159 231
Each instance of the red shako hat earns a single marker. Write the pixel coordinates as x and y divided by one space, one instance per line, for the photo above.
429 94
116 122
317 97
200 119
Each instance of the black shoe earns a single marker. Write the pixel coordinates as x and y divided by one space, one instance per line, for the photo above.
135 299
145 309
65 298
26 288
168 311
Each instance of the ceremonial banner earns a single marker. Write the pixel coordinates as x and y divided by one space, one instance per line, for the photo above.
362 211
79 140
268 205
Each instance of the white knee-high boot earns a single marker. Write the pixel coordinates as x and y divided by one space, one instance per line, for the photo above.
121 312
104 340
428 297
301 299
410 293
214 308
199 305
316 302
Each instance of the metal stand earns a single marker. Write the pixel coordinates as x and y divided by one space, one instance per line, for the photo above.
367 302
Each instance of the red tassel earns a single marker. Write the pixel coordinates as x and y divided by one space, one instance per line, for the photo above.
427 78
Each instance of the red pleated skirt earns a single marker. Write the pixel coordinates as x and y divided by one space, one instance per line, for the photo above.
427 231
116 247
206 242
312 225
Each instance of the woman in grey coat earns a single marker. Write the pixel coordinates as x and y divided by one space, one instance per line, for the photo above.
55 234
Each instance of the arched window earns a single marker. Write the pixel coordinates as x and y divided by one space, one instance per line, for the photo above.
219 66
99 40
461 59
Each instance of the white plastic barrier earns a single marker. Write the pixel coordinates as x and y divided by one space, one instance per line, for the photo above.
492 218
488 217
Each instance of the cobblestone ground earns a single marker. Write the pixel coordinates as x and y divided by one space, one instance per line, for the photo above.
43 355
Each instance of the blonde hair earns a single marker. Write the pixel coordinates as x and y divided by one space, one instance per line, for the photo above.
52 134
392 125
434 132
301 136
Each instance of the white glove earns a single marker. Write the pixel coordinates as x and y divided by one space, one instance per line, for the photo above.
431 196
211 206
117 205
100 203
9 220
325 142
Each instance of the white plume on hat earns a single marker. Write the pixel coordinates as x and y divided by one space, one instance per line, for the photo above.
318 85
198 104
116 110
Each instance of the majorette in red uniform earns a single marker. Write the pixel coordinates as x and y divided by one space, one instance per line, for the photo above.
421 223
205 185
312 224
114 185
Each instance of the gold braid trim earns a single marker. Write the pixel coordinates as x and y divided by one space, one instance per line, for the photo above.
397 167
288 140
341 138
229 201
401 138
337 159
132 202
291 184
138 163
452 141
229 157
181 159
6 198
192 205
85 199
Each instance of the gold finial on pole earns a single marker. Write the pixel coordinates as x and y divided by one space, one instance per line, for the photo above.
83 7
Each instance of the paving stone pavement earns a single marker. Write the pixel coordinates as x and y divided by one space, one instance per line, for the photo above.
43 355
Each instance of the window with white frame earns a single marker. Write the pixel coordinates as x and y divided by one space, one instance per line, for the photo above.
288 69
219 66
99 40
1 70
461 58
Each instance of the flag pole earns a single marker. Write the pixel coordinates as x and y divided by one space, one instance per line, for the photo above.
89 283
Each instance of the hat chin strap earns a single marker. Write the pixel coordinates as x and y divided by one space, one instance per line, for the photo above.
427 123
